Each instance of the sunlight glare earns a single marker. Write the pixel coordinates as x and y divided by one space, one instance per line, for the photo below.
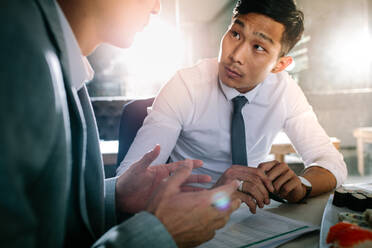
153 59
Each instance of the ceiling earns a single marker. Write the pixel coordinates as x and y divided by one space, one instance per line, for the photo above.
200 10
195 11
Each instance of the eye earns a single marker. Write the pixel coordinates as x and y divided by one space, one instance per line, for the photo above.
235 34
258 48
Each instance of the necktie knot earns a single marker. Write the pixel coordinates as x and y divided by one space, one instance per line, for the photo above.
239 102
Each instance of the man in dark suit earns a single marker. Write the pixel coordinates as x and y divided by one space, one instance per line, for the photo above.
52 187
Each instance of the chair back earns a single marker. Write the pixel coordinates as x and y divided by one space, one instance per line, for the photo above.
131 120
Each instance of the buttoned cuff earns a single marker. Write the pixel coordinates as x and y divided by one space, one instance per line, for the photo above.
110 202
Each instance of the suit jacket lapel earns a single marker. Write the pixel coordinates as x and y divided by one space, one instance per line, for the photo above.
49 10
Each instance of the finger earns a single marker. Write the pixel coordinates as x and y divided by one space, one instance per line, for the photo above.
227 189
179 177
173 166
258 184
147 159
245 173
251 203
289 187
235 204
278 170
268 165
199 179
187 188
258 196
197 163
258 191
282 180
220 197
248 200
258 176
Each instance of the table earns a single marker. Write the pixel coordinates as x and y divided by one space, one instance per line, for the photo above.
109 150
363 135
311 212
282 146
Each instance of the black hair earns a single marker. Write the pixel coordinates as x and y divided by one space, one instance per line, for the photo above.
282 11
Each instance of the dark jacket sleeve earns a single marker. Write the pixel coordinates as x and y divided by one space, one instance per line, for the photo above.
142 230
30 118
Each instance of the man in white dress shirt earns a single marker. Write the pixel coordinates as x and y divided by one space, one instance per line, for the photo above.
191 116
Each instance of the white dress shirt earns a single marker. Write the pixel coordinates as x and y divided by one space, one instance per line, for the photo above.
80 69
191 118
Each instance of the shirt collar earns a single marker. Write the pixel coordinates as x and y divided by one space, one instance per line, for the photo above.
231 93
80 69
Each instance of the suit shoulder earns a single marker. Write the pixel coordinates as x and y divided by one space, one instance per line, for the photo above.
31 77
22 27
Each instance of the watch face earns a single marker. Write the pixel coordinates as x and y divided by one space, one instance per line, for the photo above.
305 182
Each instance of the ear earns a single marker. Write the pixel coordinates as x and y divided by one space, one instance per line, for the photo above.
282 63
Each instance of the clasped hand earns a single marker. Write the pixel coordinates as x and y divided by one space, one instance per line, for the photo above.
272 177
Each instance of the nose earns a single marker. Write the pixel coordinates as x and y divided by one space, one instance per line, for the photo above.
239 53
156 8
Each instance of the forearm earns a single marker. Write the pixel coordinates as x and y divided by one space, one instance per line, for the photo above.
322 180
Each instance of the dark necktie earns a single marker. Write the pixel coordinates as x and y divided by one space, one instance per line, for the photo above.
238 146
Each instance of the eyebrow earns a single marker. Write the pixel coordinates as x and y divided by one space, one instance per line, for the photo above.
264 36
239 22
259 34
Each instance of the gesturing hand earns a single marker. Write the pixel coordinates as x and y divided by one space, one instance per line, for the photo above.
136 185
190 217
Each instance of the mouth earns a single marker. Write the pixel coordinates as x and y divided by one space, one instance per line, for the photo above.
232 73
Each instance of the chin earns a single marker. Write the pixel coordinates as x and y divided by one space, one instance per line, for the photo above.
126 44
228 82
123 42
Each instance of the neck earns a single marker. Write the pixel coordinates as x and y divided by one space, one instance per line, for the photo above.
245 90
82 24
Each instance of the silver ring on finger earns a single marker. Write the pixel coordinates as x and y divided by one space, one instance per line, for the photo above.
240 188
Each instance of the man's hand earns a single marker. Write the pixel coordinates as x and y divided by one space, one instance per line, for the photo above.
192 217
256 186
137 184
286 183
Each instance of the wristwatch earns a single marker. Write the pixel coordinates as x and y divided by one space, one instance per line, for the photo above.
308 187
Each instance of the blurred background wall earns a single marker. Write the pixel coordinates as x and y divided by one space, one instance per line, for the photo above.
333 60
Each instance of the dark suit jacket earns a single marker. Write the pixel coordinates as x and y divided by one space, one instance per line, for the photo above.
52 187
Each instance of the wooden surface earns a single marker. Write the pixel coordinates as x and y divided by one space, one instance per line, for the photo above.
282 146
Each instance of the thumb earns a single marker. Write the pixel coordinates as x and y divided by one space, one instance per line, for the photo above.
225 190
147 159
180 176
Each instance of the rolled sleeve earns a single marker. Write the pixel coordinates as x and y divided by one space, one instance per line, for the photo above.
310 139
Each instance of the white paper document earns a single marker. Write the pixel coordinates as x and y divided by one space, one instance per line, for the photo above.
263 229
